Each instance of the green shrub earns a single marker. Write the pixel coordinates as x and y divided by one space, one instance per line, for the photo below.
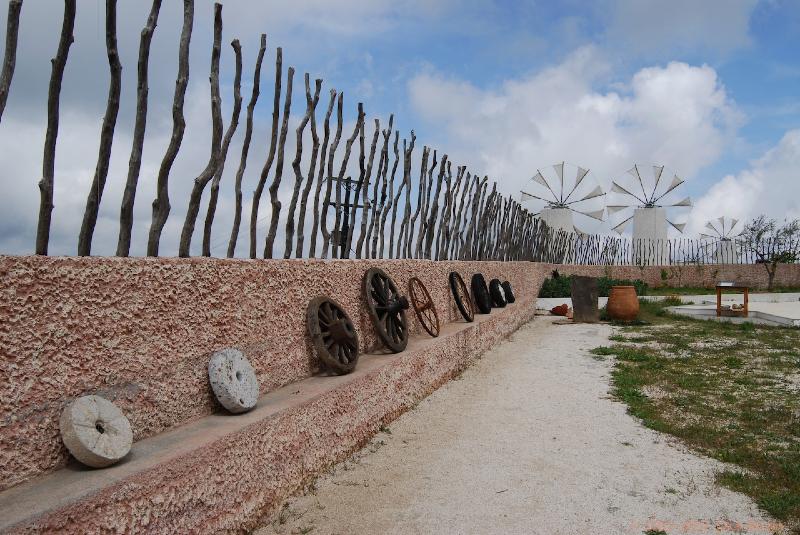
560 286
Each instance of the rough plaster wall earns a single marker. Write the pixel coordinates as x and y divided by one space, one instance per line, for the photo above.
197 492
703 276
139 331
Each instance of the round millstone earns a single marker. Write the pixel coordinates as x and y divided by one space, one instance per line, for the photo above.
95 431
233 380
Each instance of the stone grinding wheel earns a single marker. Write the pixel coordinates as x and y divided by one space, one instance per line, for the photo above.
387 309
233 380
461 296
423 306
497 293
95 431
480 293
333 335
509 292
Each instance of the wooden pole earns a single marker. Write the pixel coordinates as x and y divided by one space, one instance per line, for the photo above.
139 127
262 179
248 135
161 206
106 133
46 184
226 143
276 179
200 183
311 105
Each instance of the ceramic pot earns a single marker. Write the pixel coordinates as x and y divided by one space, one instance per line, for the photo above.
623 304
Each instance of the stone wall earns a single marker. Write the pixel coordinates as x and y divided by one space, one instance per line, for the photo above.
140 331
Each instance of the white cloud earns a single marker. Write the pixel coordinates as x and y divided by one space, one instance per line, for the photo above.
770 186
678 115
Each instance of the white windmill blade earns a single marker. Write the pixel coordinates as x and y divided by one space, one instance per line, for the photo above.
676 181
721 221
619 189
712 227
580 176
614 208
685 202
657 171
538 177
525 193
559 167
709 236
578 179
596 192
595 214
733 223
634 171
621 227
678 226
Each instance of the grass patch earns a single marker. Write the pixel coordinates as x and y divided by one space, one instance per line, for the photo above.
727 390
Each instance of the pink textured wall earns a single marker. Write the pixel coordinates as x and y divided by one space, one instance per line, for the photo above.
140 332
221 474
703 276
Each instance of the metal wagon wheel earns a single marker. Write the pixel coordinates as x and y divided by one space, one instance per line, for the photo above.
423 306
461 296
333 334
386 309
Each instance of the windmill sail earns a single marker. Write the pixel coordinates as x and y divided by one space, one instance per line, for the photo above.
619 189
597 214
578 179
596 192
676 181
685 202
621 227
560 172
526 194
657 170
614 208
634 171
678 226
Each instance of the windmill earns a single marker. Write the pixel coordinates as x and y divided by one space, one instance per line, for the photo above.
562 200
721 237
649 213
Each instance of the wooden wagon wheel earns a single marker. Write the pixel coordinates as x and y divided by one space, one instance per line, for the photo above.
386 309
423 306
333 334
461 296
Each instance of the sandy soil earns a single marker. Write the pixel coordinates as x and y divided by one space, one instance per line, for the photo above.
526 441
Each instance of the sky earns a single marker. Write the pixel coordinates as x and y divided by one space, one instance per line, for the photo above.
710 90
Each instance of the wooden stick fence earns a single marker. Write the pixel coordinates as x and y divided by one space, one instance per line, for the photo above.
441 212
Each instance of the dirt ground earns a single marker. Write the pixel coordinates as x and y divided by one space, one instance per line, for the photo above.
525 441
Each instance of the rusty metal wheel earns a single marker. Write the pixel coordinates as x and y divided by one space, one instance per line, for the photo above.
333 334
461 296
387 309
423 306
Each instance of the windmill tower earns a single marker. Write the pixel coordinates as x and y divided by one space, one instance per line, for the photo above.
721 239
650 222
561 202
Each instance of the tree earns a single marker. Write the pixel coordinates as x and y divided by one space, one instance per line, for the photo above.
771 243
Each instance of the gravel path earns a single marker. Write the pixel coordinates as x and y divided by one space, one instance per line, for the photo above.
525 441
